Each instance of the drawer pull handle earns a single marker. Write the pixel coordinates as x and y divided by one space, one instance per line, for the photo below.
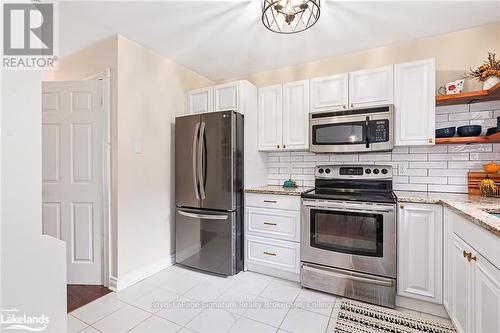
270 254
271 201
269 223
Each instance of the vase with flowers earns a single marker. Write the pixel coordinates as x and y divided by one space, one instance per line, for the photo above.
488 73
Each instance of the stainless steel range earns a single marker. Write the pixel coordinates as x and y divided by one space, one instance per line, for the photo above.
349 233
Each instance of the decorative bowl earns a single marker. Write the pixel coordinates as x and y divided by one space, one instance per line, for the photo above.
469 130
491 130
447 132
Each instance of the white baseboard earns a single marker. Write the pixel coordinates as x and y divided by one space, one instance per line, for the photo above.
120 283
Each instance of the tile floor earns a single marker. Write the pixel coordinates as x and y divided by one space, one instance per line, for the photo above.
182 300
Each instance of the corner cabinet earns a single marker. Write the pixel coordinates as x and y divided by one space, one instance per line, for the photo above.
472 279
414 114
371 87
284 117
420 254
199 100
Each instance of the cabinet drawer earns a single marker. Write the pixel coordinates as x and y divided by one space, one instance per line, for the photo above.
274 223
276 254
273 201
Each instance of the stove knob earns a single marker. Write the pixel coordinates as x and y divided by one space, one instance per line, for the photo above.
384 171
320 170
368 171
327 170
375 171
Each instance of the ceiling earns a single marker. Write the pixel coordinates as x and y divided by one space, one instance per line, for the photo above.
226 39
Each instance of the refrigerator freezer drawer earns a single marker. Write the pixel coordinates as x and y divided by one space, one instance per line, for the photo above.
206 240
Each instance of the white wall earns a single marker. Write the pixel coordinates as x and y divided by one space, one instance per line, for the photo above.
33 274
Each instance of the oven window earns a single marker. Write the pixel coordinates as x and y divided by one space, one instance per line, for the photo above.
339 134
347 232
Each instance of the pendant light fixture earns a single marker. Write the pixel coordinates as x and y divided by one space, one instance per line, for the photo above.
290 16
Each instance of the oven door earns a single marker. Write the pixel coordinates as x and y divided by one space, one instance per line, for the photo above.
356 236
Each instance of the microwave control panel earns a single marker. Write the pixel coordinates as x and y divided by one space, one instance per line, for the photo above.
379 130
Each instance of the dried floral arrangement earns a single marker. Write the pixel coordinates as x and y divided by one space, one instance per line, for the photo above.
491 67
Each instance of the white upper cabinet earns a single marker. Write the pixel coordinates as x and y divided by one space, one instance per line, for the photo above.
296 115
270 113
200 100
226 96
371 87
330 93
414 102
420 254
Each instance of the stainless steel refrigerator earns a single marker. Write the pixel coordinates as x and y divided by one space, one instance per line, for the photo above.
209 191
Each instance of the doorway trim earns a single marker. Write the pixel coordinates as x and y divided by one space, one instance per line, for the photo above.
105 77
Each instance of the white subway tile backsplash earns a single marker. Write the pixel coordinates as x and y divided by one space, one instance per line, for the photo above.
449 157
447 188
485 156
438 168
475 148
400 179
375 157
409 187
343 157
428 165
470 115
436 149
492 105
428 180
409 157
449 172
457 180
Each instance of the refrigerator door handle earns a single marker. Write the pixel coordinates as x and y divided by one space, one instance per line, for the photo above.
201 167
194 154
202 216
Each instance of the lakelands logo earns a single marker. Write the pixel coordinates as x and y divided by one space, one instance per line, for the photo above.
29 32
11 319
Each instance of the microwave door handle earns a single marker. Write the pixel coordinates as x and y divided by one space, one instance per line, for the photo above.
367 125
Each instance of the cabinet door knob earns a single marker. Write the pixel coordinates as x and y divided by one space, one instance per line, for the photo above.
401 206
471 257
352 105
278 146
465 254
431 140
344 106
284 146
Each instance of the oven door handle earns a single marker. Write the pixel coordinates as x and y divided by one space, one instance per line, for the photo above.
354 210
389 284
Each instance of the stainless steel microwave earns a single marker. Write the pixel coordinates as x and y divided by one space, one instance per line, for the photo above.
356 130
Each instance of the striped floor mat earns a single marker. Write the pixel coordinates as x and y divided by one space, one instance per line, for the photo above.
357 317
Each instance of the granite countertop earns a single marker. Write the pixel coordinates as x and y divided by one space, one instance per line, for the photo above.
278 189
472 207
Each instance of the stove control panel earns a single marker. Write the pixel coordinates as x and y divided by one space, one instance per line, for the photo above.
353 171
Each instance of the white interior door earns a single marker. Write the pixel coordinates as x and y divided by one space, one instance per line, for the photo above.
72 173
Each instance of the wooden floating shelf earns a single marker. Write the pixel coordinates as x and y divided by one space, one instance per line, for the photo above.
491 94
493 138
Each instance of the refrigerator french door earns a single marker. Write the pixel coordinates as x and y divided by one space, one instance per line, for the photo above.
208 188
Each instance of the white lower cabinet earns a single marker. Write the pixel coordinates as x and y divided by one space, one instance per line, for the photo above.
272 235
420 244
472 281
273 253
